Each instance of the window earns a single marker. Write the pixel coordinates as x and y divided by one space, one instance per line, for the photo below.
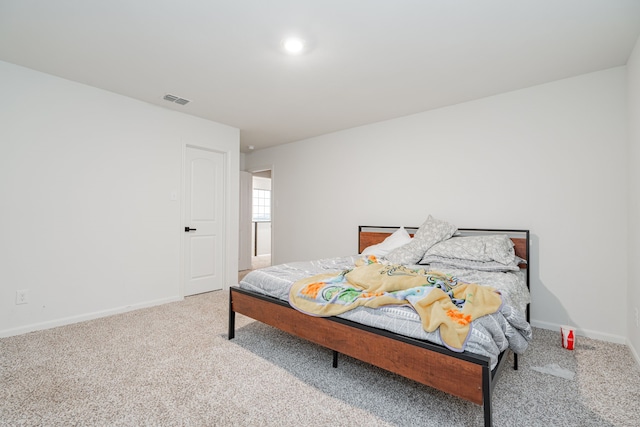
261 205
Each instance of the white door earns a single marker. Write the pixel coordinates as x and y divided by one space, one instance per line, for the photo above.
204 210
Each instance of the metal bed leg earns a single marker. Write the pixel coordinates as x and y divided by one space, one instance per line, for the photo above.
515 361
335 358
486 395
232 319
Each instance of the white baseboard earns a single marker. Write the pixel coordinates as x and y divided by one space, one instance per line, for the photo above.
633 352
582 332
83 317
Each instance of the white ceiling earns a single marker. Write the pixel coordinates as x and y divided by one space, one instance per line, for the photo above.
369 60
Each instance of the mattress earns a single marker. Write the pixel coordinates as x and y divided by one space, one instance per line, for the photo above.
490 335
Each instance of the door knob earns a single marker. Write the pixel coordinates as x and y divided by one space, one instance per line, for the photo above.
187 229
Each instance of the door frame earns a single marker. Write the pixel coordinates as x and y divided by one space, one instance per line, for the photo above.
225 214
271 168
244 229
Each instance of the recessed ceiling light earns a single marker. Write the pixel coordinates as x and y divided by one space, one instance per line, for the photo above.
293 45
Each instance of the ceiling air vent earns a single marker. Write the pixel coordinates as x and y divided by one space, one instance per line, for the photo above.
177 100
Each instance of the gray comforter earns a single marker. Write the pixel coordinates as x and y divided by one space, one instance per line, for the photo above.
490 335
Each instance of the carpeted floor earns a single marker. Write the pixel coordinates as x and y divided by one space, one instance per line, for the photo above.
172 365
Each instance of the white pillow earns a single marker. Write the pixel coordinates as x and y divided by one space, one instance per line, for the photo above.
399 238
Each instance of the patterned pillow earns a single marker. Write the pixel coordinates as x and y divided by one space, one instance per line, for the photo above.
430 232
498 247
437 262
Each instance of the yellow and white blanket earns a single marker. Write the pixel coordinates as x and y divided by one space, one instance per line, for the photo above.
441 300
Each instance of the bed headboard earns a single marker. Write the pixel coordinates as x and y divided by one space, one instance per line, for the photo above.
371 235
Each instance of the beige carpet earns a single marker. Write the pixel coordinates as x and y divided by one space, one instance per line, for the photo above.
172 365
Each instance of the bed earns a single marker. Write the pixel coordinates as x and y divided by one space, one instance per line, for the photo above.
422 358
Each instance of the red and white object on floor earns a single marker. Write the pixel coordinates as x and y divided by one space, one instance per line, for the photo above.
568 335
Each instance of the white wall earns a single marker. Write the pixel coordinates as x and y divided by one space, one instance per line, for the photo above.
88 227
633 297
551 159
245 244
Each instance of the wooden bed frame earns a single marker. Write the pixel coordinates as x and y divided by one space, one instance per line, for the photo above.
419 360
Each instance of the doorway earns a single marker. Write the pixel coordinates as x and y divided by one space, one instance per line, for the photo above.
255 221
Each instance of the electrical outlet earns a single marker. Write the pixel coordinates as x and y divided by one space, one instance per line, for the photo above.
22 296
